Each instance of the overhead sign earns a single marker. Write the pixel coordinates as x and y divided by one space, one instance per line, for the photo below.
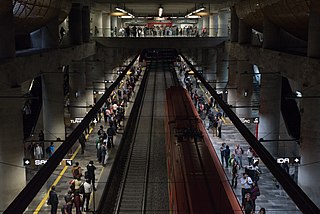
289 160
26 161
76 120
40 162
248 120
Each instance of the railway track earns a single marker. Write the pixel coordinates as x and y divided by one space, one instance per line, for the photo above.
139 183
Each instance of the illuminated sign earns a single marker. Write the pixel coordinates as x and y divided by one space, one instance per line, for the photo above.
249 120
77 120
26 162
39 162
288 160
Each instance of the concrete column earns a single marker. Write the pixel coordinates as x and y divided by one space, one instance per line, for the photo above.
50 34
271 35
106 24
270 100
314 34
13 178
213 24
222 69
205 22
7 40
209 62
245 33
75 24
86 23
53 106
77 90
234 25
310 147
244 89
223 23
97 22
232 82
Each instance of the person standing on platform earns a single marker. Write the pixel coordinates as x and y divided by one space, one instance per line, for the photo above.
238 151
255 192
53 200
222 151
41 141
246 183
91 174
250 156
38 152
219 126
86 196
82 141
227 155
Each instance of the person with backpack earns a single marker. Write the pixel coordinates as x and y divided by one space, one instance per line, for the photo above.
255 192
111 132
76 171
91 174
53 200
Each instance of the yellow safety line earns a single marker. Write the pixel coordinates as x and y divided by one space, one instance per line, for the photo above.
45 198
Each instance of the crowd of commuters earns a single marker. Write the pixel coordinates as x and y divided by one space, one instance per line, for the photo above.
82 183
156 31
230 158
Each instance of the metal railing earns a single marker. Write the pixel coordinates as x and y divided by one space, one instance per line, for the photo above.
160 32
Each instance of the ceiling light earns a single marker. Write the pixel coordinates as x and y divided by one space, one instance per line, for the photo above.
160 11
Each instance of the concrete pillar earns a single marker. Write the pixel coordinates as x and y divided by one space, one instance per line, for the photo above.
77 94
53 106
213 24
50 34
310 147
245 33
234 25
314 34
97 22
222 69
7 40
209 62
13 178
205 22
75 24
270 100
106 24
271 35
223 23
85 23
244 89
232 82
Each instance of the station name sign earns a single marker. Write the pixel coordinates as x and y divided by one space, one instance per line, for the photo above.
248 120
40 162
288 160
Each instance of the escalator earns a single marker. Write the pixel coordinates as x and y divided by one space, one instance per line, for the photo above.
32 107
290 110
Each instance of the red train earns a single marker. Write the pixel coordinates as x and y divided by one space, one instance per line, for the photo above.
197 182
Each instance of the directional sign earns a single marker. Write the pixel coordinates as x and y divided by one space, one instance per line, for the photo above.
296 160
68 162
288 160
26 161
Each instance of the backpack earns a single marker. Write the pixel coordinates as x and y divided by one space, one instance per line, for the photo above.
81 189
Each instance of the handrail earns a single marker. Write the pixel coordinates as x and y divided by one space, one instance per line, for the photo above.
24 198
304 203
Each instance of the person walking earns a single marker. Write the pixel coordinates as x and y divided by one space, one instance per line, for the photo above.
53 200
91 174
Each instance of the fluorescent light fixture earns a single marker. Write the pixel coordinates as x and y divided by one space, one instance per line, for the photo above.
193 17
126 14
126 17
160 11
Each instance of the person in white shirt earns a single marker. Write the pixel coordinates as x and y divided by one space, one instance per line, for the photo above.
38 152
250 156
86 196
246 184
